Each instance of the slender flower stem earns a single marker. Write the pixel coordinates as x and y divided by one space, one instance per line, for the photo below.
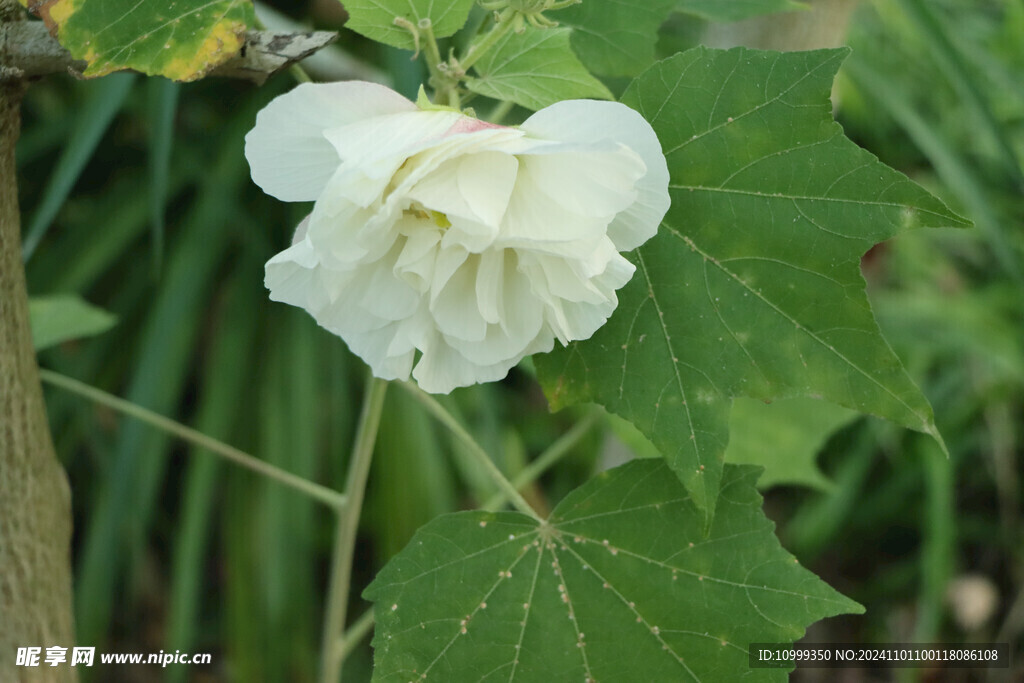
500 111
355 633
499 31
299 74
449 421
333 647
446 86
323 494
552 454
433 52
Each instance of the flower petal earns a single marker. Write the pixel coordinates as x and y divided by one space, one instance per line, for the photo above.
454 306
433 233
291 277
596 180
385 350
372 150
535 219
442 368
474 186
289 156
587 121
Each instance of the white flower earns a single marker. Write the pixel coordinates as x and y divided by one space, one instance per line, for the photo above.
474 244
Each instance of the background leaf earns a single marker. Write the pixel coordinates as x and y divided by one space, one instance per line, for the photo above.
752 286
63 317
375 19
535 68
784 437
181 40
616 38
735 10
620 38
619 585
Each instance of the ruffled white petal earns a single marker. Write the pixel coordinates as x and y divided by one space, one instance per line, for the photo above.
596 180
437 236
289 156
476 187
587 121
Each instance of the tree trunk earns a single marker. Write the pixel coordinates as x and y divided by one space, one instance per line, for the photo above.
35 500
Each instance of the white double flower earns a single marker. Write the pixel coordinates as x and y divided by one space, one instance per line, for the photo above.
455 245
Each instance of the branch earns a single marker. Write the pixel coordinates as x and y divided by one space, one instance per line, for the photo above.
28 48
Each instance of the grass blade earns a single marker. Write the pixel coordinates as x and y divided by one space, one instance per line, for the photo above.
162 102
102 104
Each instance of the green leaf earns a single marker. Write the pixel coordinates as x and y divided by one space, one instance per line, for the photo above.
181 40
620 584
752 286
784 437
60 318
375 19
735 10
616 38
535 68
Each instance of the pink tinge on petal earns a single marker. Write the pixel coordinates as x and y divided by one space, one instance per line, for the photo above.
469 125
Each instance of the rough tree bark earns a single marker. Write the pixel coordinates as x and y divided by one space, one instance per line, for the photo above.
35 500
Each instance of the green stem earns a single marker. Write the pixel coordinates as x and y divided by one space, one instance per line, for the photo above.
333 648
445 86
449 421
500 111
499 31
355 633
323 494
299 74
555 452
433 53
938 549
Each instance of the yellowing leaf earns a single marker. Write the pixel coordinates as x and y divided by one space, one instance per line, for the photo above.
179 39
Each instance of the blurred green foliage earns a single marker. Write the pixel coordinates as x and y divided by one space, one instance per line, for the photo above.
146 210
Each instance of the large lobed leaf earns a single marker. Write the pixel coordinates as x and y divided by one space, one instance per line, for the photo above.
619 38
375 19
180 39
620 584
752 286
534 69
